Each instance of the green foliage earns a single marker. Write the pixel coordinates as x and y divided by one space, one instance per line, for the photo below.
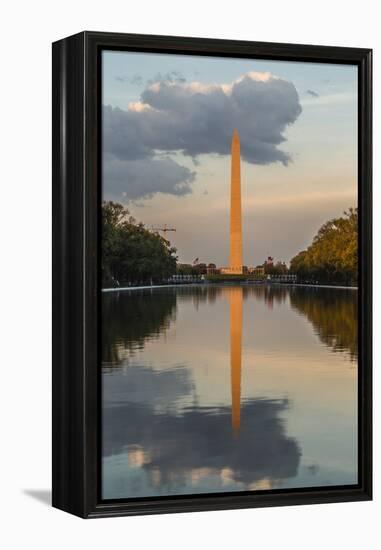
130 253
332 256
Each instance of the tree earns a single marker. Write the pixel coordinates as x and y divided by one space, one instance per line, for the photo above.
332 256
131 253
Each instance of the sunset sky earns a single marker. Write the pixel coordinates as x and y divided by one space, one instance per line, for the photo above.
167 127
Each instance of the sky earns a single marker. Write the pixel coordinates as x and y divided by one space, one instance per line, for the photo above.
167 126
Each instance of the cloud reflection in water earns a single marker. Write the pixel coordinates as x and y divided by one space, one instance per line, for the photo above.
179 447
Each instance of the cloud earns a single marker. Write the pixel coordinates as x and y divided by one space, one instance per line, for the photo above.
142 178
174 116
143 384
312 93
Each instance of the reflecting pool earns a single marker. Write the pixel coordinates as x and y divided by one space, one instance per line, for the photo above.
228 388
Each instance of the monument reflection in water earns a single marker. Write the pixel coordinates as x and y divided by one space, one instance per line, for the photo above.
234 388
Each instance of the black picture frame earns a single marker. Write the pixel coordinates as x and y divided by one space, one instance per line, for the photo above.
76 252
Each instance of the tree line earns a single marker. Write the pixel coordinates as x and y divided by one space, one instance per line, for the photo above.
333 255
131 254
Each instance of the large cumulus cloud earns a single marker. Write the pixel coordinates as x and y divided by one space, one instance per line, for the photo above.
194 119
142 178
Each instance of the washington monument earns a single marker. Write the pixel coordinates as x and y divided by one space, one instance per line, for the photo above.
236 263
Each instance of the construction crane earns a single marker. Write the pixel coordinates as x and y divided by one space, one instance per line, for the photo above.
164 229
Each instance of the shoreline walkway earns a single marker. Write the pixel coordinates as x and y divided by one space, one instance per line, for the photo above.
119 289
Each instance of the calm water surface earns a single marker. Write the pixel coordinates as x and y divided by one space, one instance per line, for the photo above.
228 388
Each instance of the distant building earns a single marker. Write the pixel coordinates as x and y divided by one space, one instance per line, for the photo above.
283 278
241 270
258 271
212 270
269 262
184 269
272 268
200 268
